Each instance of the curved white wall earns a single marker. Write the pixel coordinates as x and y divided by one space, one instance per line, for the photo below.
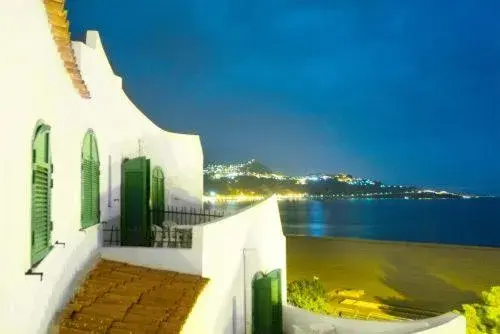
234 249
35 86
296 319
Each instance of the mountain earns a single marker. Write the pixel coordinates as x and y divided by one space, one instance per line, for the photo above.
255 178
254 166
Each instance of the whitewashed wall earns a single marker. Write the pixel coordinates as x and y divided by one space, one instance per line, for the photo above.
183 260
35 86
235 248
296 319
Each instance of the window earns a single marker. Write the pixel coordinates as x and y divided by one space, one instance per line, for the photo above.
90 181
41 225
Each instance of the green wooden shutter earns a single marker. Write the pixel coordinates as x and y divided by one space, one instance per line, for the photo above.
90 181
154 200
86 193
41 190
95 193
276 302
161 199
261 306
158 196
135 224
96 176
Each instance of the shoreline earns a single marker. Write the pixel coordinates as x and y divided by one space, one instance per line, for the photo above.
293 198
392 242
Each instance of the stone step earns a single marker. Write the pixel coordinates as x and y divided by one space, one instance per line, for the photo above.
54 5
155 313
67 56
135 318
84 325
113 298
93 318
61 34
58 21
117 312
58 15
170 328
135 327
152 300
68 330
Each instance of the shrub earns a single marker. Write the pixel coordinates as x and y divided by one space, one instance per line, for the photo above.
309 295
484 317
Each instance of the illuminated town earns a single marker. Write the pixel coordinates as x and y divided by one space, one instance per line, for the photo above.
243 178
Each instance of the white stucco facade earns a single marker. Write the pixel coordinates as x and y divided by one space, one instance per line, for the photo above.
34 86
298 321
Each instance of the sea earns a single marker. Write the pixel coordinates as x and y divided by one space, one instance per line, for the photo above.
471 222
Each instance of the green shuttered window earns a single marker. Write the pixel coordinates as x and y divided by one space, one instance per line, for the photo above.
41 225
158 196
90 181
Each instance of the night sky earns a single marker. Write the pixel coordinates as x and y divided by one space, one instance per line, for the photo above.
406 92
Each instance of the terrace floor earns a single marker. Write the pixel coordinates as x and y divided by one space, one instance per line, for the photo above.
119 298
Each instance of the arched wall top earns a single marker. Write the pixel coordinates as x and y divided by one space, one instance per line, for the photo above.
59 27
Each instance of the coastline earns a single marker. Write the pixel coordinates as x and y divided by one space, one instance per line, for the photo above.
402 243
403 274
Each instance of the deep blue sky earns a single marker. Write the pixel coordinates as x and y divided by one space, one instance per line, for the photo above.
400 91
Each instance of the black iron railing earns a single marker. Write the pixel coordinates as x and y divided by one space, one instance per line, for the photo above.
167 236
170 228
185 216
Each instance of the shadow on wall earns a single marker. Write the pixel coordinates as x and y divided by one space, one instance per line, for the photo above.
73 267
111 212
174 195
181 198
226 315
422 290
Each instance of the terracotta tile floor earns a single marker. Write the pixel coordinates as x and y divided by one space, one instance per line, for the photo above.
119 298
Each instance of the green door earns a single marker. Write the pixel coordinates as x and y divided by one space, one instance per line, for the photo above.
158 196
276 301
135 191
267 304
90 181
41 225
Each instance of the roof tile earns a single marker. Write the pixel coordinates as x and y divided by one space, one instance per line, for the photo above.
120 298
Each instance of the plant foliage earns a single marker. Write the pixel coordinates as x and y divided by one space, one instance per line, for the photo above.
309 295
484 317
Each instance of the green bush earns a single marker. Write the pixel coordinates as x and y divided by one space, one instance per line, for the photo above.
484 317
309 295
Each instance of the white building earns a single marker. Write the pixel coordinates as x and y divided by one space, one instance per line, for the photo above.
80 159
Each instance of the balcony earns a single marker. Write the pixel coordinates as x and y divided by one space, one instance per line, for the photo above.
170 228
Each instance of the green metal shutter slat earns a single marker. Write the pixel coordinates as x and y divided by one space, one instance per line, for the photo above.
90 181
40 211
267 304
86 193
154 199
95 192
262 307
277 311
158 196
161 199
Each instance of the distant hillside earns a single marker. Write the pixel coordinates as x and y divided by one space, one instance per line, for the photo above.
253 177
254 166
